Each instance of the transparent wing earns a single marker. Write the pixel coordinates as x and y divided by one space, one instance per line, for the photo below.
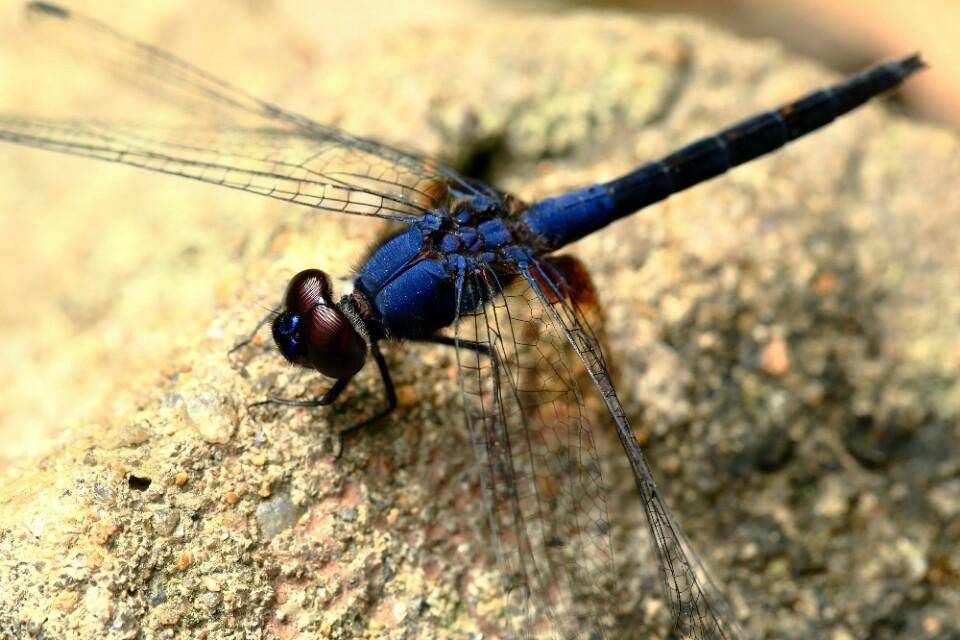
276 153
541 472
275 163
698 609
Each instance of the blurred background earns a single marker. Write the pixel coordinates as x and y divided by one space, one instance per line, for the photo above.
845 36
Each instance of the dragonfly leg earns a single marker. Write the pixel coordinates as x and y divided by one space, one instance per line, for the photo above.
472 346
466 344
332 394
389 390
388 385
264 320
327 398
336 390
453 342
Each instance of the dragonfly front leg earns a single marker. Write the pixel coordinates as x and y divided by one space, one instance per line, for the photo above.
389 388
264 320
334 392
327 398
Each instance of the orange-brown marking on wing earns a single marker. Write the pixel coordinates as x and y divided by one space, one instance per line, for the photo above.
579 293
433 194
574 283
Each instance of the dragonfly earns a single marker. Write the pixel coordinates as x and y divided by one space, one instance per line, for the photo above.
473 269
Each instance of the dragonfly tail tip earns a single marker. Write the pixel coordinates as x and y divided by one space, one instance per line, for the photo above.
912 63
47 9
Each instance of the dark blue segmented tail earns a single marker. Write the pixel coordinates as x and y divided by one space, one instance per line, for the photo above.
573 215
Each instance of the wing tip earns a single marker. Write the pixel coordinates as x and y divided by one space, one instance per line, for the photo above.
45 8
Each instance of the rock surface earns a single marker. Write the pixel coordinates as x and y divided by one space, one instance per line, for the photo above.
785 340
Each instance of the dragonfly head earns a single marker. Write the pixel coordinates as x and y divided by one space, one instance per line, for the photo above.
313 332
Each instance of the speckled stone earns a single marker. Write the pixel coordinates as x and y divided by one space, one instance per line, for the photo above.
784 339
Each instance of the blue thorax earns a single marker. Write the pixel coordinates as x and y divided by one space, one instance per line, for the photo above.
412 280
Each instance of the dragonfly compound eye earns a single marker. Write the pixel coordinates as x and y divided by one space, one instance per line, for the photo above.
333 346
308 289
322 339
313 332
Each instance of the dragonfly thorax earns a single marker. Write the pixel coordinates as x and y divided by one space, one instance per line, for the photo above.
412 284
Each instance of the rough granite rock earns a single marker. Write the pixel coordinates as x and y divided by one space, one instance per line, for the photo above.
785 340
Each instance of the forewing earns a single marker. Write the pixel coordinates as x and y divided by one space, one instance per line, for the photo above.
698 609
256 146
160 74
529 423
275 163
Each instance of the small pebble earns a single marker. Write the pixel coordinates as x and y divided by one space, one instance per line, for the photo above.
277 514
825 283
945 499
168 613
932 626
165 521
105 531
775 357
119 471
209 600
129 435
407 396
212 414
66 601
265 489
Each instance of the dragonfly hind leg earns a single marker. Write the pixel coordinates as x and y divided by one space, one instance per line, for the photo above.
447 341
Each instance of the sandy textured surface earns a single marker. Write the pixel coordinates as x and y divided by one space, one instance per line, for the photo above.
785 339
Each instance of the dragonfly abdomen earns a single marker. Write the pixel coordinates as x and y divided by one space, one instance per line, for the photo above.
576 214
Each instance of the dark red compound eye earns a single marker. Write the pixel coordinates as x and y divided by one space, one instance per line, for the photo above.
333 346
308 289
313 332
